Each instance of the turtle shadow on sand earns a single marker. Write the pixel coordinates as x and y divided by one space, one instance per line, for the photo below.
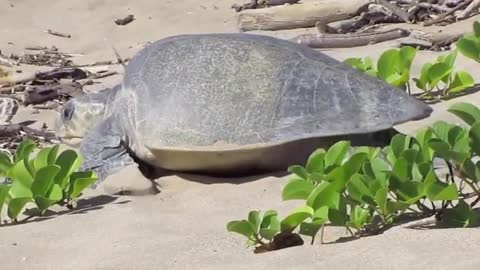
82 206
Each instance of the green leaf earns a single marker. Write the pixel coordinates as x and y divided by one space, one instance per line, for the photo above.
5 163
41 160
459 217
69 161
476 28
437 72
80 181
410 192
448 59
468 112
19 173
386 63
295 218
471 170
336 153
358 217
439 191
255 220
423 82
468 48
299 171
297 189
320 217
338 215
3 195
16 205
44 180
242 227
323 195
461 81
475 137
52 155
359 189
315 162
43 203
24 149
270 225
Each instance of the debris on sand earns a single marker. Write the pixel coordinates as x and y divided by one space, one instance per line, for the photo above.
343 20
124 21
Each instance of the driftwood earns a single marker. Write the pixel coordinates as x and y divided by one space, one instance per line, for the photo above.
42 93
402 14
447 14
474 5
436 38
254 4
13 130
299 15
323 40
58 34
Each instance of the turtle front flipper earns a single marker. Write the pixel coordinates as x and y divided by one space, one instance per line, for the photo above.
104 151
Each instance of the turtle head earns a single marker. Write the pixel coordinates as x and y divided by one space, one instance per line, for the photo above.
80 114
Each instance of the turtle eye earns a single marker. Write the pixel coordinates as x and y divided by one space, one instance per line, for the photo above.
68 110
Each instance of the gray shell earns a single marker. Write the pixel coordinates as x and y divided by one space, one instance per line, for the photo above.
244 90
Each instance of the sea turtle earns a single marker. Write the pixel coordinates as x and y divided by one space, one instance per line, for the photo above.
230 103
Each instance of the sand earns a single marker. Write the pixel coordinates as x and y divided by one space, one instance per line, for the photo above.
184 226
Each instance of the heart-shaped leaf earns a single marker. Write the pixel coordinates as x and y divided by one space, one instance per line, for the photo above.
468 48
299 171
461 81
315 162
44 180
242 227
69 161
297 189
468 112
336 153
16 205
80 181
295 218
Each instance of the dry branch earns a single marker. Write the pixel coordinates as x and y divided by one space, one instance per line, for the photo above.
473 7
254 4
13 130
299 15
58 34
348 40
42 93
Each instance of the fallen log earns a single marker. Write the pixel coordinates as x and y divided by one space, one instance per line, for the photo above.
447 34
323 40
12 130
300 15
42 93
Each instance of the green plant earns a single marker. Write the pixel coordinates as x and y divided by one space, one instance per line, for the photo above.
393 66
437 80
469 44
45 180
367 189
440 76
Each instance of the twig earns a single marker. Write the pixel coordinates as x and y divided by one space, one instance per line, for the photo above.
103 74
58 34
5 61
444 16
402 14
15 130
348 40
474 5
